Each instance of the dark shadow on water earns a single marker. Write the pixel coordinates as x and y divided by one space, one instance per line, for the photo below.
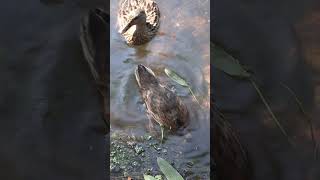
49 107
264 37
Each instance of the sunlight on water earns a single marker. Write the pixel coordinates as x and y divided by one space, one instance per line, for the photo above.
182 44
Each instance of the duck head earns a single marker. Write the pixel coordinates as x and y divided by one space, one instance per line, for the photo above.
145 77
139 19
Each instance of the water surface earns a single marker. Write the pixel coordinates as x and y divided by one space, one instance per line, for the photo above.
182 45
280 45
49 108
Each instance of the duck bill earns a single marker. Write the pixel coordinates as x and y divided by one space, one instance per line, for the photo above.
145 76
125 29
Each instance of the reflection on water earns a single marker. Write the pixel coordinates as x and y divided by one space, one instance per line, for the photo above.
279 45
49 108
182 45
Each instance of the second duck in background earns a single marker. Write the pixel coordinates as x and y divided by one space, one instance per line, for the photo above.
138 20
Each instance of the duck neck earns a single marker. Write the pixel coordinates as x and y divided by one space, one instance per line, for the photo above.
141 33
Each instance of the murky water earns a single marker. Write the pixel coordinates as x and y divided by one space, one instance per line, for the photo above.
279 44
182 45
49 108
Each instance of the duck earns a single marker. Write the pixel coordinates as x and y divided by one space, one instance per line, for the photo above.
138 20
162 104
93 38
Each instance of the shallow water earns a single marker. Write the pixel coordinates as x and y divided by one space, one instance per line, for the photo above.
182 45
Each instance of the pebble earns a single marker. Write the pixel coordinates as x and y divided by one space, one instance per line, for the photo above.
115 169
190 164
158 177
149 138
138 149
131 143
135 163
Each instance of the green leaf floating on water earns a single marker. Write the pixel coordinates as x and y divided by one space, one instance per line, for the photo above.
178 79
174 76
168 170
231 66
226 63
148 177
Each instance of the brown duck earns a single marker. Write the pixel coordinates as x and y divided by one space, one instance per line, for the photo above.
138 20
162 104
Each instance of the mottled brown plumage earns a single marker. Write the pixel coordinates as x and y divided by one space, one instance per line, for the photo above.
138 20
162 104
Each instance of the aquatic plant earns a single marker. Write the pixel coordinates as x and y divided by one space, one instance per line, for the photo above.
178 79
231 66
169 172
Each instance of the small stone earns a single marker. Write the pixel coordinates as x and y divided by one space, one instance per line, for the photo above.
131 143
158 177
188 136
156 148
149 138
190 164
135 163
114 169
138 149
112 153
149 170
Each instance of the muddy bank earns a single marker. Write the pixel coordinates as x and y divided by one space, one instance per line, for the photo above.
133 156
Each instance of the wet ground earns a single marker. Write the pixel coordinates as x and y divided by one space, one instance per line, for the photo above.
182 45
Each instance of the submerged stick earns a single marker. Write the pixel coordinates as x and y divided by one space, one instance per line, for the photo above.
308 117
284 132
194 96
